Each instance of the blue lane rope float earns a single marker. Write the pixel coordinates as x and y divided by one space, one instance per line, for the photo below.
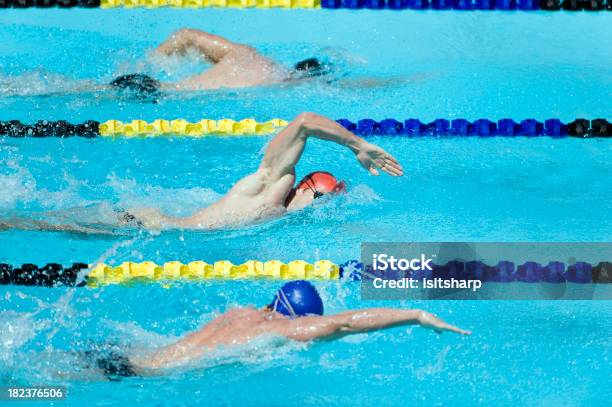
481 127
504 5
503 272
582 128
53 274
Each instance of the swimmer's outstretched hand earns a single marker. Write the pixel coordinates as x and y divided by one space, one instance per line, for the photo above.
372 158
430 321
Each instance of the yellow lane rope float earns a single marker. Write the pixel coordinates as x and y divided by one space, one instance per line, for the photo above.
212 3
103 274
182 127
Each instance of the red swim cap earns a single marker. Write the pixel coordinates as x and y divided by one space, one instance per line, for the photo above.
322 182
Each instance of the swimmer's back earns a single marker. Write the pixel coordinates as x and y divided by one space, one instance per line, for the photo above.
243 67
250 200
234 327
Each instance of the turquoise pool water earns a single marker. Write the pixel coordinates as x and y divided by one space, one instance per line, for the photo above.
448 65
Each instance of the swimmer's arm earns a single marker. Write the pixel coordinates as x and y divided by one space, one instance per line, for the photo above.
154 219
372 319
213 47
285 150
41 225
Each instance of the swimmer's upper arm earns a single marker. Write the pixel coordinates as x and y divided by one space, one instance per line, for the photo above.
286 148
309 328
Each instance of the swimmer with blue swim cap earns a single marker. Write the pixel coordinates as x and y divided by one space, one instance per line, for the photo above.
295 313
234 66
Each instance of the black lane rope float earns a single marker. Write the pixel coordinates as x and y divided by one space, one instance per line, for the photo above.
582 128
56 275
49 275
60 128
503 5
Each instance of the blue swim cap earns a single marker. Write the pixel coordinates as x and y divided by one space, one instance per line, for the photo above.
297 299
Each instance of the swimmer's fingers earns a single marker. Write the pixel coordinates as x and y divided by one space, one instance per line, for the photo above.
452 328
389 157
373 158
431 321
392 161
389 167
389 164
392 167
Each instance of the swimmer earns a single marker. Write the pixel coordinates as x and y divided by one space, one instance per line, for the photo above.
234 66
269 192
295 313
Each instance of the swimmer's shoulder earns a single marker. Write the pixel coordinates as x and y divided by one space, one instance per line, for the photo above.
251 185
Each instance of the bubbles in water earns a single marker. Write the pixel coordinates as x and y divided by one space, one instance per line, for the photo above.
180 201
261 353
433 368
19 185
40 82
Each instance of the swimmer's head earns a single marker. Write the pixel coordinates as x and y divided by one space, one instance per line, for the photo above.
137 86
297 299
313 186
310 68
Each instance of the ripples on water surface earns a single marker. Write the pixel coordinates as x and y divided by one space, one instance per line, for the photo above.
446 64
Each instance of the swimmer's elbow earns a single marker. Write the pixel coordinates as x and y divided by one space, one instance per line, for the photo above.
188 36
185 33
306 116
308 122
308 329
306 119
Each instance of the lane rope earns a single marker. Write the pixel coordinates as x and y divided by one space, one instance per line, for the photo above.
128 273
366 127
183 127
482 5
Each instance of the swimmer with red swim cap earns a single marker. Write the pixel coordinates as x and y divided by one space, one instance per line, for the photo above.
296 313
270 192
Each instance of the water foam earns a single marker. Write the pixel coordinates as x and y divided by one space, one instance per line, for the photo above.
179 201
40 82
